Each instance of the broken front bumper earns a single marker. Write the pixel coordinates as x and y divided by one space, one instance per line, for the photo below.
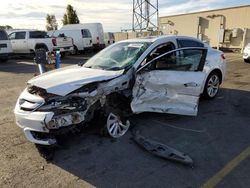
32 122
40 125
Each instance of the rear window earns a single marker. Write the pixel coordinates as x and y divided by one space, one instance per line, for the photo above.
86 33
3 35
38 34
111 35
189 43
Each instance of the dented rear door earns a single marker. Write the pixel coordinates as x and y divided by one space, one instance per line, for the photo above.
170 83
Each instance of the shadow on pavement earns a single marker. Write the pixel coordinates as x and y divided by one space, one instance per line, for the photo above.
214 137
19 66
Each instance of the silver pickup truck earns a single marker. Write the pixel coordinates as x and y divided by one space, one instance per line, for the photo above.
27 41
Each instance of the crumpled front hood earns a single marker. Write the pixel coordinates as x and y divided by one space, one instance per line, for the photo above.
65 80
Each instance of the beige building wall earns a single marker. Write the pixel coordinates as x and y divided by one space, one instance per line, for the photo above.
230 18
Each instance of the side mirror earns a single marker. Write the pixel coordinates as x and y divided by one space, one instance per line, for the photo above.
80 64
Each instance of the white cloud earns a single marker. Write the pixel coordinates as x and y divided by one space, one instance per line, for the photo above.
190 6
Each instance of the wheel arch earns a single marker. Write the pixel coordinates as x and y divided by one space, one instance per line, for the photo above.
41 45
218 71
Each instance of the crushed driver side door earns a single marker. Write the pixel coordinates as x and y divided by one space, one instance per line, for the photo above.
170 83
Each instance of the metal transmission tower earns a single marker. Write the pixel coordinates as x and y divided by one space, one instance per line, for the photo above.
145 15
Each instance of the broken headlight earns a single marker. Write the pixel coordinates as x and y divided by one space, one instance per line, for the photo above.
61 106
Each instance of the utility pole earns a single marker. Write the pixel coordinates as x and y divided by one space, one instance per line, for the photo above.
145 15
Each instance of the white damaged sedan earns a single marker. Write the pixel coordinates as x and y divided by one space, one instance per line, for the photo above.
164 74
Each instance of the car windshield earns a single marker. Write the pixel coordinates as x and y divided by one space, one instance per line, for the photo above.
118 56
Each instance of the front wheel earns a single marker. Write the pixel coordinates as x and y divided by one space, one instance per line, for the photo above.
212 86
247 60
115 126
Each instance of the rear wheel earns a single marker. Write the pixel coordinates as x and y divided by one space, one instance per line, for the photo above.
4 60
212 86
62 54
75 50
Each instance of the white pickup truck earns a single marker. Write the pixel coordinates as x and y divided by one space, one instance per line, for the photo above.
27 41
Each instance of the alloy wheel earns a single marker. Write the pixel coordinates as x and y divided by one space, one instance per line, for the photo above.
115 127
213 85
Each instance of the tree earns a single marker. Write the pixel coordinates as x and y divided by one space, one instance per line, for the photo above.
51 22
5 27
70 17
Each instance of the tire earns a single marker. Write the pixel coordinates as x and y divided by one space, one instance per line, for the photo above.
247 60
4 60
212 85
63 55
75 51
116 126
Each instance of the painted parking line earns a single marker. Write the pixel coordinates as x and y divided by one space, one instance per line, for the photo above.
26 63
212 182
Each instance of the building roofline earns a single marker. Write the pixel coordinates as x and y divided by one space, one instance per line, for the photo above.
183 14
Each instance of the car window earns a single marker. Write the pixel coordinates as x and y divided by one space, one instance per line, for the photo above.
112 35
189 43
3 35
162 49
17 35
89 34
180 60
38 34
86 33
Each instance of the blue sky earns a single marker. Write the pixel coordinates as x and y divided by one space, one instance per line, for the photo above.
113 14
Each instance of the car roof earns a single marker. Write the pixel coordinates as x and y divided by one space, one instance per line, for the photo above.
22 30
152 39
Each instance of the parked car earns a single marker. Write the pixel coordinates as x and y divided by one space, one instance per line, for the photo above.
165 74
246 53
5 46
27 41
82 39
95 29
109 38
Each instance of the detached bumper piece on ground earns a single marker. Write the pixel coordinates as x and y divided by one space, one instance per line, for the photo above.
161 150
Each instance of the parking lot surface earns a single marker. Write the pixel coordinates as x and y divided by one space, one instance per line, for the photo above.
218 140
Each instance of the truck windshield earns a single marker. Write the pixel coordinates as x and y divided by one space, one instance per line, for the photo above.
118 56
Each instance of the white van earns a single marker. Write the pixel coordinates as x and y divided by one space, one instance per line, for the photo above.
109 38
95 29
5 46
82 39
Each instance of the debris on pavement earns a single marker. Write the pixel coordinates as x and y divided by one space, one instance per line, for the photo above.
161 150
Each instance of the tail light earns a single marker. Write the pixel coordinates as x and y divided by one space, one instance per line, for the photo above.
223 56
54 41
97 40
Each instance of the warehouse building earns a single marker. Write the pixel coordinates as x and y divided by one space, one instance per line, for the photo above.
224 28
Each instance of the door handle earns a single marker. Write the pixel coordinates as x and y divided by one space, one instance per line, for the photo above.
191 84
